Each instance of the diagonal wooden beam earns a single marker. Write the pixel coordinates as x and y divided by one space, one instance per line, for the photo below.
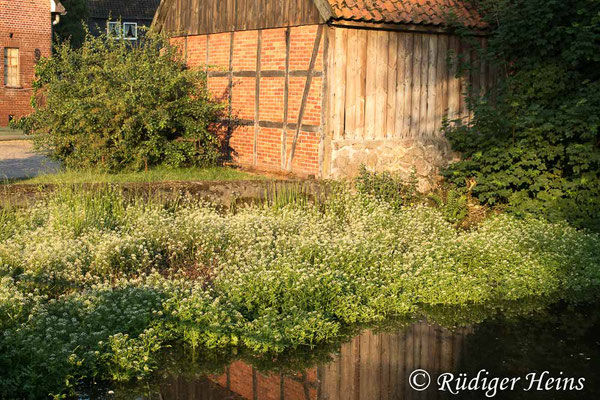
159 18
311 70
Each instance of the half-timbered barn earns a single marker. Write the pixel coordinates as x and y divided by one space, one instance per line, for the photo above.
319 87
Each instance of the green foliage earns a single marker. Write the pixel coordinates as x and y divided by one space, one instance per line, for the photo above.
389 188
70 27
93 285
114 105
535 148
453 204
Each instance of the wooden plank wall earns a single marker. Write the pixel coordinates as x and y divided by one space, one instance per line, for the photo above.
397 85
193 17
377 366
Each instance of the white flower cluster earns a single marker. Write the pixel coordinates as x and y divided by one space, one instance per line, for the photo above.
94 286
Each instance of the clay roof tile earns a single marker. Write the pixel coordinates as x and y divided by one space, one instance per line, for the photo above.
425 12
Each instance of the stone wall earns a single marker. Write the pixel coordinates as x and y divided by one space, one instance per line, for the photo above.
427 156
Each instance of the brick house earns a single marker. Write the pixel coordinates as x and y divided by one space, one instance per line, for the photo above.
322 86
121 17
25 36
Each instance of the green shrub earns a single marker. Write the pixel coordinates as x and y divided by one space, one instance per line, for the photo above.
453 203
388 187
114 105
535 148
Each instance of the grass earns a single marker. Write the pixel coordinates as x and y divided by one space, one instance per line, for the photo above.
152 175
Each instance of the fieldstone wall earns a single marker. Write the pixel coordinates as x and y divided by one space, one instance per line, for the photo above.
427 156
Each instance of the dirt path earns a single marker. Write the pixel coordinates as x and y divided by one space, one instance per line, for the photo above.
18 160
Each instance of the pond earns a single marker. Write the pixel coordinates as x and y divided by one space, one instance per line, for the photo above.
515 352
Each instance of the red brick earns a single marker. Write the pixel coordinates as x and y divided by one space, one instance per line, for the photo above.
273 57
29 22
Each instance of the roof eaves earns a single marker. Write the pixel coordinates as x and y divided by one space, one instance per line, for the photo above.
325 9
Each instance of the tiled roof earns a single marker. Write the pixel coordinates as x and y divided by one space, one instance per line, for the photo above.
125 9
423 12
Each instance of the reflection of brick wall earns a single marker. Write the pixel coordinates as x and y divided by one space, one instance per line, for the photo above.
29 24
262 144
247 382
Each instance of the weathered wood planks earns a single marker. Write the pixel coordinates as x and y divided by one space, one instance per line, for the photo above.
194 17
390 84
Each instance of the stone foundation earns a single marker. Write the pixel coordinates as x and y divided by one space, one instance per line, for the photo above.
427 156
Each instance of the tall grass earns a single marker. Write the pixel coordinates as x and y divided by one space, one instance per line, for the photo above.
157 174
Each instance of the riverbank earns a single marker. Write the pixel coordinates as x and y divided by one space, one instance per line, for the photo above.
97 283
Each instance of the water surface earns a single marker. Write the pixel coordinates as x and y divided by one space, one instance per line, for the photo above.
558 342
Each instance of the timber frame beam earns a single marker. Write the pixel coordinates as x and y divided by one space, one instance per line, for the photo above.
324 9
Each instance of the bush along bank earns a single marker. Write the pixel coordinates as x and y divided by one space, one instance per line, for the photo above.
94 285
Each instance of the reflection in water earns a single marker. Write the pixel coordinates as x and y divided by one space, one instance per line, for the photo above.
377 365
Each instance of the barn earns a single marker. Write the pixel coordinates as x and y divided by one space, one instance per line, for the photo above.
320 87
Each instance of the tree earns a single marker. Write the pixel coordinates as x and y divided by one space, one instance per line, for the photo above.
536 148
115 105
70 26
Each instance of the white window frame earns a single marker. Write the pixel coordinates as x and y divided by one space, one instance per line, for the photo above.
17 79
119 31
135 27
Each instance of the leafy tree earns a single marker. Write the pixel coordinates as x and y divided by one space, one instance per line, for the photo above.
536 148
70 26
114 105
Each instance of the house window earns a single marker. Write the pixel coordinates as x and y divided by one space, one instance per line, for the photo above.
114 29
11 67
130 31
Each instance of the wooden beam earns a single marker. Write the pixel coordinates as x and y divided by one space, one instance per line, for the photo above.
207 54
424 86
352 81
371 87
272 73
158 21
257 97
286 91
230 86
442 83
416 86
324 9
391 109
325 142
432 95
185 50
401 27
339 82
311 68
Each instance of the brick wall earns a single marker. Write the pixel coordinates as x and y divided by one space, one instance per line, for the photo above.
233 78
26 25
